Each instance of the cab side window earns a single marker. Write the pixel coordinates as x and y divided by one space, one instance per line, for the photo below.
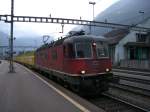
54 54
69 51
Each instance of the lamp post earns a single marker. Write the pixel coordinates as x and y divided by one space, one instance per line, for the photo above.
92 3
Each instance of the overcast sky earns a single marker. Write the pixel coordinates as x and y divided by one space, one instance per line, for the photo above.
57 8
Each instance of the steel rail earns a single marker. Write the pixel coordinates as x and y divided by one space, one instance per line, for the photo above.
126 102
133 79
132 89
143 73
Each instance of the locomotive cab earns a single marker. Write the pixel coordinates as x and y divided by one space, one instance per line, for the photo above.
86 59
86 55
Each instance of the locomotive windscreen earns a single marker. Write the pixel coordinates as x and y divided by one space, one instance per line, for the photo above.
101 49
83 50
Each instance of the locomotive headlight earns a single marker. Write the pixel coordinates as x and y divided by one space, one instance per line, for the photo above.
94 44
83 72
107 69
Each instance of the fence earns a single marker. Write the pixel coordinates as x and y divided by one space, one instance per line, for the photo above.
139 64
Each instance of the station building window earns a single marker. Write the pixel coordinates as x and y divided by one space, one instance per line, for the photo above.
138 53
141 37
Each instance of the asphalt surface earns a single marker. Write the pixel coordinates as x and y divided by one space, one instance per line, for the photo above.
23 92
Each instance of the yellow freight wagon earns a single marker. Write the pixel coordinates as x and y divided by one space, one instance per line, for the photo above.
26 58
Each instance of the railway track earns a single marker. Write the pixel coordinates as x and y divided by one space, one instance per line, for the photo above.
132 89
111 103
136 100
135 72
127 102
134 82
137 80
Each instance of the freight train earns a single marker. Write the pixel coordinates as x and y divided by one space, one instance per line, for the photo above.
80 61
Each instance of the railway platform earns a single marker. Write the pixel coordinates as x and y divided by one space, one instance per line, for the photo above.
24 91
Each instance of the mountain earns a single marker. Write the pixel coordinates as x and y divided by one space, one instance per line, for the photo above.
3 39
28 41
3 42
20 44
123 12
126 12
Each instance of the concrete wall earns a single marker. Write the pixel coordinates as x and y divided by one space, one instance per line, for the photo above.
120 51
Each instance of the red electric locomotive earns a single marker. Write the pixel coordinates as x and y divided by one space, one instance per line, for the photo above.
80 61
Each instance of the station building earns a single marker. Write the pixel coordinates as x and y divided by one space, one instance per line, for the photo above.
129 48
